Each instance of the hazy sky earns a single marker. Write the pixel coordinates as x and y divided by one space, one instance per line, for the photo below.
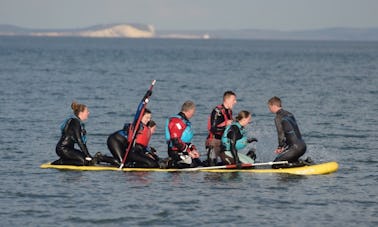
192 14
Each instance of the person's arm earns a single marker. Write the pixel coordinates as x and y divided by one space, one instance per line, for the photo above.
176 127
76 127
233 136
217 121
280 132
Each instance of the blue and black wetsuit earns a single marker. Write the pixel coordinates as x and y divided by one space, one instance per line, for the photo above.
73 132
289 137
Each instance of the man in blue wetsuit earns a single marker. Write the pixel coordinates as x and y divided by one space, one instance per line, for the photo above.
290 143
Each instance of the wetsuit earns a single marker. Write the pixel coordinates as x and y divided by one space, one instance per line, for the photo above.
216 126
289 137
118 142
179 135
234 138
73 132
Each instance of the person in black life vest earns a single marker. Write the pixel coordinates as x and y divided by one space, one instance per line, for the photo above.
73 132
235 136
137 157
290 143
220 118
179 134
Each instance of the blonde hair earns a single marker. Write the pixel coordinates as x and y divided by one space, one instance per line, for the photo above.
77 108
242 114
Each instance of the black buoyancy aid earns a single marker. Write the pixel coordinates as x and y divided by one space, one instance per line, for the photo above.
227 115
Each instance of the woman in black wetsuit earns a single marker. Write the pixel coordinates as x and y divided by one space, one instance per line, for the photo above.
73 132
137 156
290 143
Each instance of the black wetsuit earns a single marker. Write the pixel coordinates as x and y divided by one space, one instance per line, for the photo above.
289 137
234 135
117 144
73 132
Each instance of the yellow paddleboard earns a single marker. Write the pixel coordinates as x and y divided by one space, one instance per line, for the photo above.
323 168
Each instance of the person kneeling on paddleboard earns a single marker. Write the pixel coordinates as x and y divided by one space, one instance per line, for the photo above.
73 132
235 137
290 143
179 134
137 157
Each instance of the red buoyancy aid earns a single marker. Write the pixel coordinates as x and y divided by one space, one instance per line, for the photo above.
144 135
226 117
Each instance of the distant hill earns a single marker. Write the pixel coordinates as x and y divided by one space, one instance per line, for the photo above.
123 30
109 30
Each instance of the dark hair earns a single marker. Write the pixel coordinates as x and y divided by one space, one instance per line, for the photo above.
77 108
228 94
275 101
151 124
242 114
147 111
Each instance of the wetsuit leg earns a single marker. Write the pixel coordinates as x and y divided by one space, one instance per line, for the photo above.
117 145
108 159
141 160
293 153
71 157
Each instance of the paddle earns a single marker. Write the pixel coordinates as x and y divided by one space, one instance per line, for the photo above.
133 129
234 166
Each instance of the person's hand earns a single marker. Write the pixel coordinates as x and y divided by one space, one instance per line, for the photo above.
192 151
279 150
252 139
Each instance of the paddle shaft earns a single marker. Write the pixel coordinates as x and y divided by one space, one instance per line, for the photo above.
234 166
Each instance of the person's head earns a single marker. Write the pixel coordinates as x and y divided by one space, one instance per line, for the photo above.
80 110
244 118
229 99
152 125
146 116
274 104
188 108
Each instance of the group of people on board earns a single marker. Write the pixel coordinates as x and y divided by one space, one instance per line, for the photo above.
227 135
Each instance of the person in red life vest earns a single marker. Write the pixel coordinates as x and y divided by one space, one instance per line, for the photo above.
179 136
219 119
150 151
118 142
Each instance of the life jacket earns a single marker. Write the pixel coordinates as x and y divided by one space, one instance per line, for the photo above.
66 122
186 136
125 130
143 136
222 110
240 143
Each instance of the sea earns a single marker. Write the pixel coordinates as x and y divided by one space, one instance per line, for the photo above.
330 86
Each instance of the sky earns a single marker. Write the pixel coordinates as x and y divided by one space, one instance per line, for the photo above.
192 14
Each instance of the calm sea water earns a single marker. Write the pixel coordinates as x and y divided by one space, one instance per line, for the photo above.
331 87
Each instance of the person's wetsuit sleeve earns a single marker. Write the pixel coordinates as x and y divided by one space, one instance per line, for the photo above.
77 134
233 136
280 131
